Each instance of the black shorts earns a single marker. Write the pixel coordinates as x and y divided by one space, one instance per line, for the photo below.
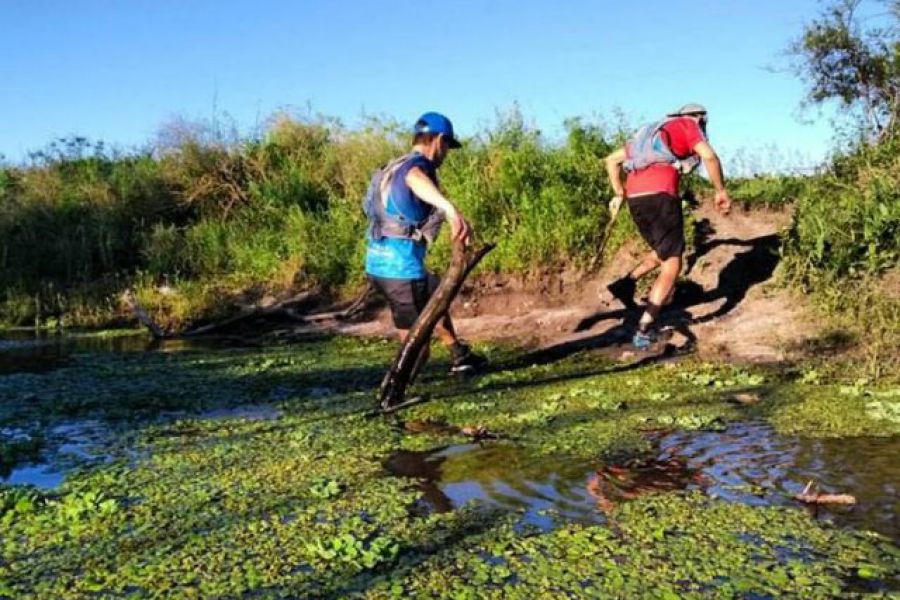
406 297
658 217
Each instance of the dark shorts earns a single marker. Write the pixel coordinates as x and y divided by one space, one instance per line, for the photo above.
658 217
406 297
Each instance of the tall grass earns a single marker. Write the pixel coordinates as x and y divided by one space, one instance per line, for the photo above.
217 219
845 237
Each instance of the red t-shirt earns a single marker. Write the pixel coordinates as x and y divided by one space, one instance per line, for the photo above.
681 135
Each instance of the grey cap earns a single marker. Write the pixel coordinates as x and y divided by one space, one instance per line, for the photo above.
689 109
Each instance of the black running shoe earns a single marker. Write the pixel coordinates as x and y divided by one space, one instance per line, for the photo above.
623 290
466 361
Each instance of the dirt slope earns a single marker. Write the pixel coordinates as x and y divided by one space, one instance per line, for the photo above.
725 302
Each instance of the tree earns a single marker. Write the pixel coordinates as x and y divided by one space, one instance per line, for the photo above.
855 65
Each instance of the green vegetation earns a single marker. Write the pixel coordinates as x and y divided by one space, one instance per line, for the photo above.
201 221
300 506
845 233
201 224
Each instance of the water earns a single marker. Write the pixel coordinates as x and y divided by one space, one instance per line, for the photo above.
66 445
80 442
748 463
32 351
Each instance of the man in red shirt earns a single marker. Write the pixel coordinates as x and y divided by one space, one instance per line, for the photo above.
654 161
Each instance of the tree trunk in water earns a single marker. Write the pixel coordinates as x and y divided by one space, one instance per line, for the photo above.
403 369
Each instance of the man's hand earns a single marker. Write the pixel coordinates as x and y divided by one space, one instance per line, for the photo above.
723 202
459 229
614 205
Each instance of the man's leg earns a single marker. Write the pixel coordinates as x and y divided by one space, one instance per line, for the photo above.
650 262
661 291
661 224
623 289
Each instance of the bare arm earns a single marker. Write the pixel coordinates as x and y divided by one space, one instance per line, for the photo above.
714 170
424 189
614 171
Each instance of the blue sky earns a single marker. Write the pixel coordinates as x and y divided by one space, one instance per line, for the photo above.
118 70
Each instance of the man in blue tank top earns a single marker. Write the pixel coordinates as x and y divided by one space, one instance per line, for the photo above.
395 263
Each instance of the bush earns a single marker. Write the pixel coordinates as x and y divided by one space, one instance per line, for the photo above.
847 221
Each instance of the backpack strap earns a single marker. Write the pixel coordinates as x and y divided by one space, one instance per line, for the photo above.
390 225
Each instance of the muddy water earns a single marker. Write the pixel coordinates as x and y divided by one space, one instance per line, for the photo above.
748 463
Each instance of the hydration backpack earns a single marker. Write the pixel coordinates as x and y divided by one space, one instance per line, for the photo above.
648 147
383 225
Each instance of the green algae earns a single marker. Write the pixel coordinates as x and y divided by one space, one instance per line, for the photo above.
299 505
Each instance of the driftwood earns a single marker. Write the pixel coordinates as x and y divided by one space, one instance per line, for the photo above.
278 309
810 495
355 308
130 301
406 362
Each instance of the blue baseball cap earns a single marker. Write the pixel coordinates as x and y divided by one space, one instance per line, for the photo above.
433 122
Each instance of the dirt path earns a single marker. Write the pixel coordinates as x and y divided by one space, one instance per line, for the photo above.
725 302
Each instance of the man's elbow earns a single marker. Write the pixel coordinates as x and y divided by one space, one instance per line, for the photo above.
616 157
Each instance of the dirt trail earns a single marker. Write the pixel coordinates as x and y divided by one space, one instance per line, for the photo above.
725 302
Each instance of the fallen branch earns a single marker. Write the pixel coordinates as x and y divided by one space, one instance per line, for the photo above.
279 309
810 496
130 301
356 307
403 370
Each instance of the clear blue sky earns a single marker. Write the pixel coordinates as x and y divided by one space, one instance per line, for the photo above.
117 70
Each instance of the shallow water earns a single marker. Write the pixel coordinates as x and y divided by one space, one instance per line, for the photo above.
79 442
748 463
32 351
66 445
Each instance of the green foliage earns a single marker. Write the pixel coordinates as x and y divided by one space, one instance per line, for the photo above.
843 56
17 502
213 219
847 221
545 204
845 234
773 191
325 488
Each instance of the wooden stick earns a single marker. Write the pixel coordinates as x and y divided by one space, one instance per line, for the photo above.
598 257
393 386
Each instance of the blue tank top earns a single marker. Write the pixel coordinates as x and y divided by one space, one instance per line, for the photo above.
394 258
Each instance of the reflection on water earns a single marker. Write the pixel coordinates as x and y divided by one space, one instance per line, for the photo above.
501 476
66 445
33 351
752 464
748 463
